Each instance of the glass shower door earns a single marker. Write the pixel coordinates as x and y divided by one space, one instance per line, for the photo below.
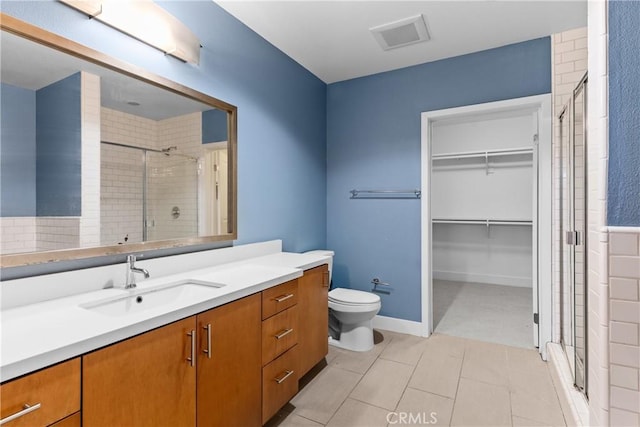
574 227
171 196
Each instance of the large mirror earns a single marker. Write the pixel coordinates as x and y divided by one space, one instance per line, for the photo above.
99 157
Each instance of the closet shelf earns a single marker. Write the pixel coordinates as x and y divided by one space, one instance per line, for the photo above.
486 222
482 154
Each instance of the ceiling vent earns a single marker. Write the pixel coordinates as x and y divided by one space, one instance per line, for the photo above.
401 33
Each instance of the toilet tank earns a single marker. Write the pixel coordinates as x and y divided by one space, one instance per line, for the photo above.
323 253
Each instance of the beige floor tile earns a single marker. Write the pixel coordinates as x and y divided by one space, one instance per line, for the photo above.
454 346
545 409
481 404
485 362
360 362
524 359
536 382
383 384
421 407
437 372
291 420
523 422
322 397
404 349
358 414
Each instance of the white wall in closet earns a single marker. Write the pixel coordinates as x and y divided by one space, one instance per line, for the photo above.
482 198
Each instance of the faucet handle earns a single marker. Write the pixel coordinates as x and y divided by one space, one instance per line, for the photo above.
131 260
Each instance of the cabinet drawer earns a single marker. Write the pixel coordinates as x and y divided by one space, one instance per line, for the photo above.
74 420
55 389
279 333
279 383
278 298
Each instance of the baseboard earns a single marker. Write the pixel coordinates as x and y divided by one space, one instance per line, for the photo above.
456 276
574 404
397 325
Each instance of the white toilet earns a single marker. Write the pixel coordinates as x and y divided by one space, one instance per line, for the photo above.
350 315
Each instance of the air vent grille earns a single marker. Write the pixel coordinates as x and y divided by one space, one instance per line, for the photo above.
401 33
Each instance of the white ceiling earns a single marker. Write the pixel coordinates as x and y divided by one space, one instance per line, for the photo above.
332 39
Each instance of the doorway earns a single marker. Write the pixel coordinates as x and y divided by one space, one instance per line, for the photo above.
485 215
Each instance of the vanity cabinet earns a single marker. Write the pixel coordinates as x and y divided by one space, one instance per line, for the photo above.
147 380
314 323
280 355
52 394
229 364
204 369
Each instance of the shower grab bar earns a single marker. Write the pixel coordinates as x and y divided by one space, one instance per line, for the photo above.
385 194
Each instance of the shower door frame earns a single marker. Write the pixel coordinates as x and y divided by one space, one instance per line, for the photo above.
573 237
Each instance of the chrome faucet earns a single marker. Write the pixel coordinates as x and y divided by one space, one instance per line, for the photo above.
131 270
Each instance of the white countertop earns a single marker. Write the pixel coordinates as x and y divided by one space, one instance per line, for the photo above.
38 335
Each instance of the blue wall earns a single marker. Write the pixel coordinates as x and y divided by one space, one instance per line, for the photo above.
281 111
59 148
214 126
17 151
624 114
373 142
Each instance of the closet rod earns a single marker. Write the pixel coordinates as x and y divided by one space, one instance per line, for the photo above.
486 222
487 153
385 194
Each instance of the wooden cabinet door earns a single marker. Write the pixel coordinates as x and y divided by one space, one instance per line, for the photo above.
313 305
229 364
52 393
143 381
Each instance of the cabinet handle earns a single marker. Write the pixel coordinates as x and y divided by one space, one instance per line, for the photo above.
27 409
207 351
284 333
192 359
283 297
325 279
284 377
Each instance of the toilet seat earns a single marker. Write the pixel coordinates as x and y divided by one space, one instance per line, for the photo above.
352 297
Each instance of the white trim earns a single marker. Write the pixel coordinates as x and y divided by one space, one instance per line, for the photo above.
543 104
397 325
574 404
617 229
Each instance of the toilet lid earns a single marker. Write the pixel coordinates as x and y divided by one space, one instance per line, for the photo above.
352 296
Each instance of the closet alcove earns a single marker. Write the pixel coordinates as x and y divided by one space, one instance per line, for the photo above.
484 203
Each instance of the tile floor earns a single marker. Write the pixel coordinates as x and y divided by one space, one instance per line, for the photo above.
442 380
493 313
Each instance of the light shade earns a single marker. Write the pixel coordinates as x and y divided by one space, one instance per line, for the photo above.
147 22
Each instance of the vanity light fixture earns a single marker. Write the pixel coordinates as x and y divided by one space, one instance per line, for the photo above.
145 21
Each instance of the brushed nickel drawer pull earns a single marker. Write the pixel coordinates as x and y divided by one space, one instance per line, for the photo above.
207 350
27 409
192 359
283 297
286 375
284 333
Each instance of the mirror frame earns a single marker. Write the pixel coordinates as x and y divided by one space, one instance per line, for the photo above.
38 35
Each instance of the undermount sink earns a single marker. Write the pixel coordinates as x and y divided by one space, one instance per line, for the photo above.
146 299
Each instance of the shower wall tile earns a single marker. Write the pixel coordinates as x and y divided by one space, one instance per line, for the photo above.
624 346
89 227
18 235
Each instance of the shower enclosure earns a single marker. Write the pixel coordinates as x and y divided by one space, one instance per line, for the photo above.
573 220
147 194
